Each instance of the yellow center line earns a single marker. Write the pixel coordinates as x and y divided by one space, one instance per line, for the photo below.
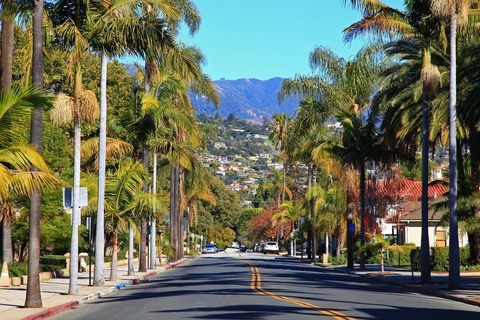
256 285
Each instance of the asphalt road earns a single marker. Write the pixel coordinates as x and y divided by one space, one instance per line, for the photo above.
255 286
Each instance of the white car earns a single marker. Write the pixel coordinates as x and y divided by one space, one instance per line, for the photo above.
210 248
271 247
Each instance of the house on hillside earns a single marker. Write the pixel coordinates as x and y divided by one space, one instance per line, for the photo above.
403 221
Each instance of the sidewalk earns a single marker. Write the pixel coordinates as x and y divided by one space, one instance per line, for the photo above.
54 293
469 281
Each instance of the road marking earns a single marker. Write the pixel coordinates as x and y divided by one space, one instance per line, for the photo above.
256 285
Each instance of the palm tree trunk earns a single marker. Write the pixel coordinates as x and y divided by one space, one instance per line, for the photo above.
425 244
362 214
350 230
131 270
73 284
341 238
454 255
173 211
179 207
142 265
7 239
6 64
153 240
153 255
100 231
284 181
33 296
114 265
310 211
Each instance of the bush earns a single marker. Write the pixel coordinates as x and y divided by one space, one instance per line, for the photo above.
57 261
400 255
47 263
18 269
440 258
340 260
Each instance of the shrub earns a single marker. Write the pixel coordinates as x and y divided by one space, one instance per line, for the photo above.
18 269
340 260
47 263
440 258
400 255
57 261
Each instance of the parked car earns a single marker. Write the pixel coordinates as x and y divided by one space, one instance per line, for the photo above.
271 247
210 248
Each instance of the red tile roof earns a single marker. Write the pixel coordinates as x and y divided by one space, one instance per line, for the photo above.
411 190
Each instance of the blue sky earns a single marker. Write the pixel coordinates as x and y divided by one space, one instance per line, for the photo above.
270 38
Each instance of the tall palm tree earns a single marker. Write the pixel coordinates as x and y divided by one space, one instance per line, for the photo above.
180 11
32 173
120 27
194 79
7 16
453 9
97 25
196 191
82 107
281 123
361 142
383 21
121 190
348 84
33 298
278 187
290 211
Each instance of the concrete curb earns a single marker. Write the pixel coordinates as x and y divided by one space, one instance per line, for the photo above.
50 312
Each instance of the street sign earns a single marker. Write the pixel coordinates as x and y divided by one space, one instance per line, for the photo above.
351 227
68 197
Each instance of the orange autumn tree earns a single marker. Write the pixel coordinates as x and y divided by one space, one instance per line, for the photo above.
261 227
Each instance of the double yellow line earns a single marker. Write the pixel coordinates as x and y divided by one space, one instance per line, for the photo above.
256 285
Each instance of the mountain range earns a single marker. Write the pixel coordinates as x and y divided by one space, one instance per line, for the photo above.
248 99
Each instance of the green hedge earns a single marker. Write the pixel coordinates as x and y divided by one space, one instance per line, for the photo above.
440 258
18 269
58 261
400 255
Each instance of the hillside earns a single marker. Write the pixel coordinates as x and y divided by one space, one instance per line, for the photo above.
248 99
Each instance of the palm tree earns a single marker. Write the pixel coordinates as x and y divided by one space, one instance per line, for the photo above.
186 129
101 32
179 11
290 211
8 25
33 298
125 37
326 208
278 187
6 65
197 190
82 107
453 9
361 142
32 171
281 125
347 84
121 190
380 20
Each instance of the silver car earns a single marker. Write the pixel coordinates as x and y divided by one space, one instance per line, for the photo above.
271 247
210 248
